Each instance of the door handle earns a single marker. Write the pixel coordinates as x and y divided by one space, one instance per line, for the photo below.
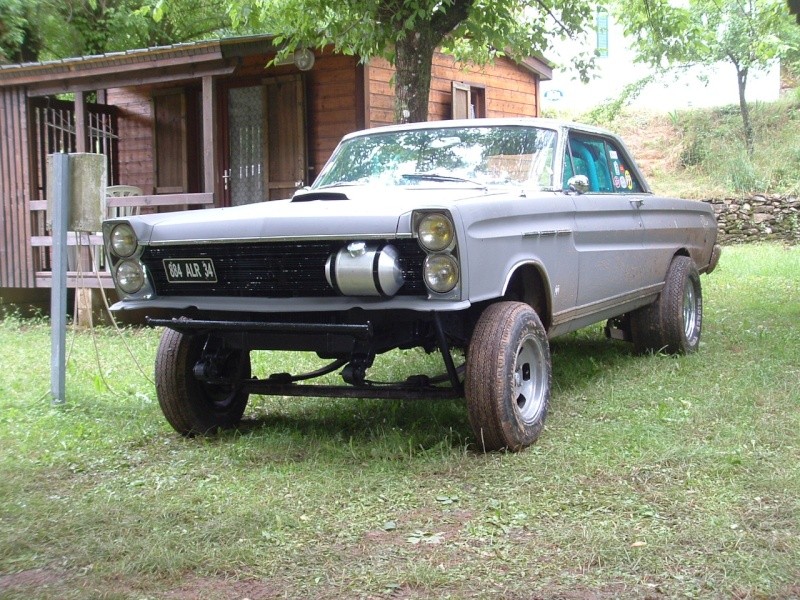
226 175
636 202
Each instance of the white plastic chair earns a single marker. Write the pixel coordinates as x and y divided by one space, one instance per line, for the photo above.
120 191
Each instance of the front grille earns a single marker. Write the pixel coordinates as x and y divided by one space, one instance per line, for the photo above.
270 269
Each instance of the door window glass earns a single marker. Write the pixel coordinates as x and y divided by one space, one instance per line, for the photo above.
246 123
603 164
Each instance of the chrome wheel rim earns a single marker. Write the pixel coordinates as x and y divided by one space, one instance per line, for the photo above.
689 311
529 386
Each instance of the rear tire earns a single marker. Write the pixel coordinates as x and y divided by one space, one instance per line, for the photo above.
672 323
191 406
508 377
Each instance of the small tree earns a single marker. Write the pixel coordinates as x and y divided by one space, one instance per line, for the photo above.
748 34
407 32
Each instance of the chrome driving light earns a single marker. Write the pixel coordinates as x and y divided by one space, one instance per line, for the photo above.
123 240
441 272
435 232
129 276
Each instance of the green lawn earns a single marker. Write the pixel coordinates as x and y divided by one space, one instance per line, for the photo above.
655 477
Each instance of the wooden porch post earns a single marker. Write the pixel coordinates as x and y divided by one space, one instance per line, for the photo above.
209 116
83 296
81 123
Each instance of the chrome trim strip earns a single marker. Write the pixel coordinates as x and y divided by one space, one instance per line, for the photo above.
542 270
602 305
310 238
289 305
530 234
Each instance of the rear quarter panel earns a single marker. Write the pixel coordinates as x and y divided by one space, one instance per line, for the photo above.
672 225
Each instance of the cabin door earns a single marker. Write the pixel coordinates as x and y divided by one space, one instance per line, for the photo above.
266 141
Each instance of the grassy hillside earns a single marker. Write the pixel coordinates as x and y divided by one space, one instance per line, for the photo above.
700 153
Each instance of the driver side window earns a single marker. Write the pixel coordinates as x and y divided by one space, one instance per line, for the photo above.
601 162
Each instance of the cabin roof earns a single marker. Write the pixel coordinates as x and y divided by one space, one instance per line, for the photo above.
131 67
159 63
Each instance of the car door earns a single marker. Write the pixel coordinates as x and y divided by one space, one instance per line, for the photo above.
609 231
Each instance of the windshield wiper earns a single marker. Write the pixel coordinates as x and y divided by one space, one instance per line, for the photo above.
441 177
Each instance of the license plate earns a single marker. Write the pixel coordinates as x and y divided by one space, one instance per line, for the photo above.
190 270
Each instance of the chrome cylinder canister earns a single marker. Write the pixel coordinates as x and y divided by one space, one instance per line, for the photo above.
365 269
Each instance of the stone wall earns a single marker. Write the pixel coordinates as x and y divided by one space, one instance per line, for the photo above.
758 218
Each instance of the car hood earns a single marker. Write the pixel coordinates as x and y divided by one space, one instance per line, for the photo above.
330 213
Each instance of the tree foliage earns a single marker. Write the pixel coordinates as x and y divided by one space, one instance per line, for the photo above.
747 34
407 32
46 29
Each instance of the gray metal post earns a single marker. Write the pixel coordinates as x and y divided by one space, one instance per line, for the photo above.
58 290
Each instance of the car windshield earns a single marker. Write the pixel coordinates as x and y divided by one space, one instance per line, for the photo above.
479 156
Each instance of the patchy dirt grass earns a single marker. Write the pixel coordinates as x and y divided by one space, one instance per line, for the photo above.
656 477
32 582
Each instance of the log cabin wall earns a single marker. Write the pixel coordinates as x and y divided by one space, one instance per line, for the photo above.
334 99
16 259
138 147
331 112
335 95
135 122
510 90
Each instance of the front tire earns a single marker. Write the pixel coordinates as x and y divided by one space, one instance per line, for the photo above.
192 406
672 323
508 377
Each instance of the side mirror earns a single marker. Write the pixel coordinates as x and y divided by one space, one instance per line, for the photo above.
578 184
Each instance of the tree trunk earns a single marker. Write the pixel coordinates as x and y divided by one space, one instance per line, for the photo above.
414 55
741 77
412 86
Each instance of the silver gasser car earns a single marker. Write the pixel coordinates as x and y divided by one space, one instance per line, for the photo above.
483 237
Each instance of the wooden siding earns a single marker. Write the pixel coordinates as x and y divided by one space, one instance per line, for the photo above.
335 107
381 93
134 121
171 173
16 259
332 111
511 90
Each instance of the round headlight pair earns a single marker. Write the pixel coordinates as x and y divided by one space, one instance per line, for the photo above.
129 276
435 232
123 240
441 272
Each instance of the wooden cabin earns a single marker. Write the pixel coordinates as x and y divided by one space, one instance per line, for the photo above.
206 124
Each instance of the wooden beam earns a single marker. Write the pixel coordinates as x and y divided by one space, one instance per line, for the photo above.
92 239
209 117
161 200
81 123
75 279
126 79
203 199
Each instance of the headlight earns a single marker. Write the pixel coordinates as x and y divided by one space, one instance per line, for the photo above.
441 272
129 276
123 240
435 232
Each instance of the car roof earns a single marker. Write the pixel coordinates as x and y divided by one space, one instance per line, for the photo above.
555 124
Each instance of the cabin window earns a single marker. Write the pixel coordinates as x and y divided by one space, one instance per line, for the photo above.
469 101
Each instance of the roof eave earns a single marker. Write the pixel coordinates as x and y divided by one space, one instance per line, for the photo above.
90 72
